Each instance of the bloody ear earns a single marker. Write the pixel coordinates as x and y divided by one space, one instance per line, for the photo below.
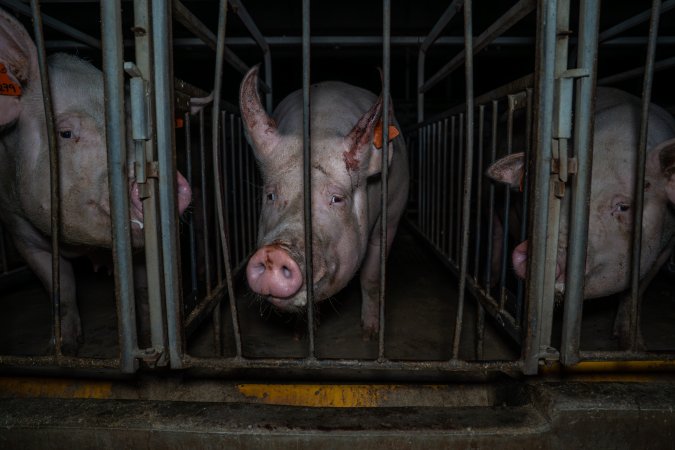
364 141
666 154
18 66
508 170
260 127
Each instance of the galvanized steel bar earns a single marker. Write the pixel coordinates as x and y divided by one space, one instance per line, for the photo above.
507 208
191 225
54 175
444 197
236 246
491 199
386 63
468 175
433 147
459 179
55 24
204 190
539 194
307 176
634 333
436 30
634 21
479 192
215 116
240 189
164 110
451 227
638 71
111 30
499 27
589 19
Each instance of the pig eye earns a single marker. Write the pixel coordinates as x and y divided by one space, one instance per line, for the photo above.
336 199
271 197
66 134
621 207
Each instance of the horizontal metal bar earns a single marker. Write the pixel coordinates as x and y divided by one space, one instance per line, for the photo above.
70 362
637 72
54 23
506 21
633 21
608 355
352 364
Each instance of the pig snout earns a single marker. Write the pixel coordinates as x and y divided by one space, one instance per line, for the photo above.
519 260
183 191
271 271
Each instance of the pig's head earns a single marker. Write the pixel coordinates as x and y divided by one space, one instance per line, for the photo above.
611 212
343 158
78 104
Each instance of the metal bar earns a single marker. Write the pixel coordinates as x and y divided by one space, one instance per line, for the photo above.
634 333
54 175
307 177
237 254
191 225
451 228
581 182
506 225
479 192
60 361
459 179
218 76
628 355
260 39
386 62
633 21
113 81
433 184
444 197
491 199
436 30
539 194
204 202
468 174
499 27
53 23
638 71
241 189
161 29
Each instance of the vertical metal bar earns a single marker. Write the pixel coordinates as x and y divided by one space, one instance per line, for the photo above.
225 183
307 175
444 199
451 228
427 181
634 333
241 188
433 147
111 31
468 173
191 226
479 192
250 198
460 181
205 216
539 194
386 50
507 208
583 145
237 257
491 199
53 175
420 175
220 45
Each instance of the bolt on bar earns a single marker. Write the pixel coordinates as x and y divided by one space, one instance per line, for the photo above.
307 177
215 116
443 21
468 174
386 62
640 176
111 30
54 174
581 182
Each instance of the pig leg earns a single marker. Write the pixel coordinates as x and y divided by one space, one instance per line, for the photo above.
40 261
370 282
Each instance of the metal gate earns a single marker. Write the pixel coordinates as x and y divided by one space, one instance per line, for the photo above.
192 267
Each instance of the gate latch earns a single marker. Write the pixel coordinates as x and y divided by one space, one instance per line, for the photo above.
140 132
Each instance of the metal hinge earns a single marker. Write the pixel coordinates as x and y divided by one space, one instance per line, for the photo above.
140 111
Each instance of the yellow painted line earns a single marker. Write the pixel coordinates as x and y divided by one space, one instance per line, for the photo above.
323 395
641 370
54 388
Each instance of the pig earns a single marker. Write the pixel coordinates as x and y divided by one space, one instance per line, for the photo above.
78 103
346 182
615 144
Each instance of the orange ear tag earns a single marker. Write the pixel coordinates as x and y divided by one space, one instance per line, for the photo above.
7 85
377 134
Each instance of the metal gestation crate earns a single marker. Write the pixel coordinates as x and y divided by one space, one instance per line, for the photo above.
199 313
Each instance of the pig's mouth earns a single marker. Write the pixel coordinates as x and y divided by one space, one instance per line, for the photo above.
519 259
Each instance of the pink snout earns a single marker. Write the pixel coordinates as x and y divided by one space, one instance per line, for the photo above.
184 192
272 272
519 259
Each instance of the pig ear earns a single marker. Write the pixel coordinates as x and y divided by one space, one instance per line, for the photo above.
18 66
261 128
364 142
508 170
666 154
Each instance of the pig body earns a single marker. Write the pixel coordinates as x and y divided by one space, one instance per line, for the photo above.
615 144
346 186
78 104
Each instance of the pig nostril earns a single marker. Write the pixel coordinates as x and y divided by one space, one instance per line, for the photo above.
259 269
286 272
